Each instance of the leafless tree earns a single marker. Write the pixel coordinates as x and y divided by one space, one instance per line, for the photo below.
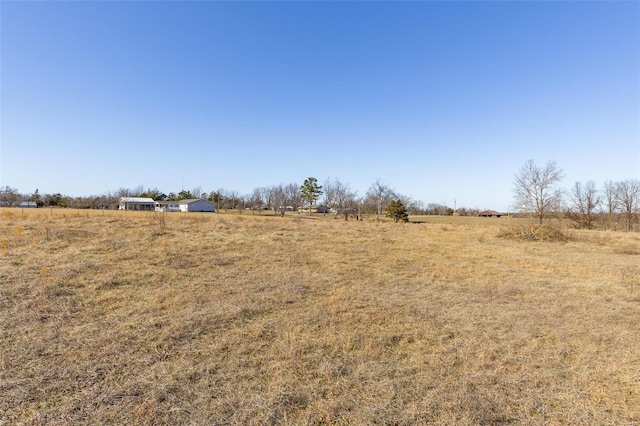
111 200
232 199
610 198
292 195
329 195
628 194
9 195
278 199
584 201
379 195
342 198
416 207
196 192
407 201
535 189
256 200
269 195
124 192
137 191
244 202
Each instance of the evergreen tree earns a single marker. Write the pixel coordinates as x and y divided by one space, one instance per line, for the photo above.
397 211
36 196
310 191
185 195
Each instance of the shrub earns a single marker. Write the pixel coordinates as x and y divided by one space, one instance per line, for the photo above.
397 211
529 230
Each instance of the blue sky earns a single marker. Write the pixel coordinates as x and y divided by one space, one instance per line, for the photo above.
439 100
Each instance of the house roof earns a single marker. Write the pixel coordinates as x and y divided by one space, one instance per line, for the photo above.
136 200
192 200
313 206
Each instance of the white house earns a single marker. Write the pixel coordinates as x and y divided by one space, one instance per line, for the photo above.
136 203
191 205
196 205
167 206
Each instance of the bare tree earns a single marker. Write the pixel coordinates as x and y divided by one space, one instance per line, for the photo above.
111 200
379 195
329 186
256 199
244 202
535 189
610 198
137 191
584 200
293 195
628 194
9 195
406 200
124 192
342 198
279 199
416 207
270 197
232 199
196 192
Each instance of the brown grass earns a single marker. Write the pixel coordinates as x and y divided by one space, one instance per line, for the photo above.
127 318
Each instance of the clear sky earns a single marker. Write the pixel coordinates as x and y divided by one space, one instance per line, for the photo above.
439 100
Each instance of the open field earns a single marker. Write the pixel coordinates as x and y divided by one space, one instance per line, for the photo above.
138 318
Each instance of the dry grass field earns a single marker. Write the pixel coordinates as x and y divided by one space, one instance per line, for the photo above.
132 318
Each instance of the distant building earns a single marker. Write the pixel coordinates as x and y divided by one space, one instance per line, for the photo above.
191 205
136 203
167 206
345 211
197 205
315 208
490 213
28 204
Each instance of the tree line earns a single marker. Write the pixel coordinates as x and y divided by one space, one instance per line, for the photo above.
537 193
333 193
